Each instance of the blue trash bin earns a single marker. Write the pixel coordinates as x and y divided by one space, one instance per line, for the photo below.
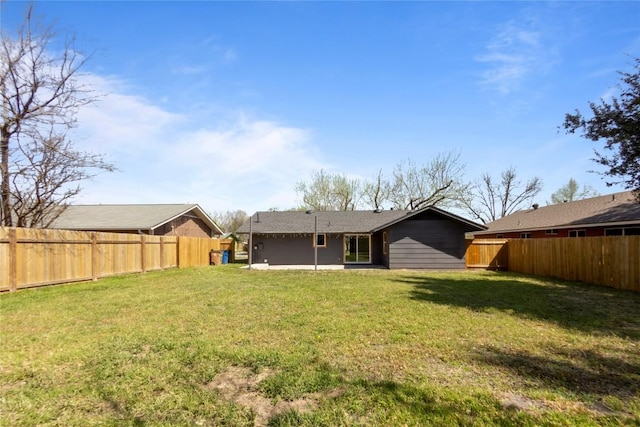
225 257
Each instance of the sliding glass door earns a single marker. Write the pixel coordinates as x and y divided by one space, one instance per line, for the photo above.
357 248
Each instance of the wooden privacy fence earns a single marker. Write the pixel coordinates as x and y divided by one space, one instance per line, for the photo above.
194 251
487 253
36 257
611 261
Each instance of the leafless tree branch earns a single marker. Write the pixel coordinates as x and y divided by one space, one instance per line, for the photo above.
41 95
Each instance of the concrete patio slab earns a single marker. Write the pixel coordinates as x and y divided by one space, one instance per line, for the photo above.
264 266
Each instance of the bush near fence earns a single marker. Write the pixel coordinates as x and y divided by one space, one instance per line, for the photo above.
37 257
611 261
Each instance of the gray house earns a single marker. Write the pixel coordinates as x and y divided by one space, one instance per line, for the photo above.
429 238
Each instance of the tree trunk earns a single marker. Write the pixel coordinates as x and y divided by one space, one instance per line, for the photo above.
5 191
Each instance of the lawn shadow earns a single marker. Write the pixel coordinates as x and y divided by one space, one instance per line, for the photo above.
587 308
577 371
427 405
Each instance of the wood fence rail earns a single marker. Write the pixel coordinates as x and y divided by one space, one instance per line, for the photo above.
610 261
487 254
37 257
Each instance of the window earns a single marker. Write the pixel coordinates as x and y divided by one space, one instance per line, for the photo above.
577 233
321 240
499 236
384 242
525 235
357 248
554 231
630 231
613 232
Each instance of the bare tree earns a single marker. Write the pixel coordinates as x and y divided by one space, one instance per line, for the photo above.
230 221
329 192
346 192
41 94
571 191
490 200
316 194
437 183
377 192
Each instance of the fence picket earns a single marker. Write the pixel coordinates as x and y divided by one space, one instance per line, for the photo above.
37 257
610 261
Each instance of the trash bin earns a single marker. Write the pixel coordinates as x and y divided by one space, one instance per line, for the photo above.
215 257
225 257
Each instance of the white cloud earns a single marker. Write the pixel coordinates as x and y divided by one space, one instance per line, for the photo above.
515 52
255 160
230 55
247 146
122 123
165 157
214 44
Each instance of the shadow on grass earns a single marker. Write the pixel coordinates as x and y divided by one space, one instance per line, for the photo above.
575 371
571 305
392 403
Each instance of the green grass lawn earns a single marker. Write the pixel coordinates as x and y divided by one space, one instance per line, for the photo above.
223 346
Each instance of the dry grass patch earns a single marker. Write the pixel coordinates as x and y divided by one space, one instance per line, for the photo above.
240 385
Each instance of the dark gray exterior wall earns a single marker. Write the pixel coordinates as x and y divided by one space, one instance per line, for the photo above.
426 243
429 241
296 250
377 250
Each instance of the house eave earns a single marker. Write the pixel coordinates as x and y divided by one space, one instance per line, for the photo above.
561 227
470 226
199 213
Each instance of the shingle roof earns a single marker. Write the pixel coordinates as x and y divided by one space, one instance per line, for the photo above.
613 209
334 221
328 221
127 217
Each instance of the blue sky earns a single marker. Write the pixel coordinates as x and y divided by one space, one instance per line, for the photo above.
229 104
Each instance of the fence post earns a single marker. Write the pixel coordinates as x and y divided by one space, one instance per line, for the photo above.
162 253
13 260
178 251
94 256
143 261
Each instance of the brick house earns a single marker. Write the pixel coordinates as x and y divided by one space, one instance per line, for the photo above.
153 219
611 215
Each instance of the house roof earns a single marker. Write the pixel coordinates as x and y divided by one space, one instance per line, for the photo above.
610 210
468 225
336 221
127 217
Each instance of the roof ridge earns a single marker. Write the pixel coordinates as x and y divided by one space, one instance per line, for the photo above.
133 204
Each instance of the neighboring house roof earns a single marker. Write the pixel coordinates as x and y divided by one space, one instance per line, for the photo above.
337 221
233 236
127 217
610 210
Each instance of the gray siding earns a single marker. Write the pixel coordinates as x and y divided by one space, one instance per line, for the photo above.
377 255
427 244
296 250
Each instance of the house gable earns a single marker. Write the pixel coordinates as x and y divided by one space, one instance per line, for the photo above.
427 240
